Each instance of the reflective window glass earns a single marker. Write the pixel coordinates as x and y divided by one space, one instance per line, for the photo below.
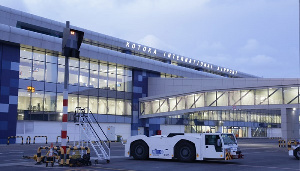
84 63
25 68
26 53
51 72
50 101
111 107
51 58
38 70
39 55
73 75
102 106
84 77
61 74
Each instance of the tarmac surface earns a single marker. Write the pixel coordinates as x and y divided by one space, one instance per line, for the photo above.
260 154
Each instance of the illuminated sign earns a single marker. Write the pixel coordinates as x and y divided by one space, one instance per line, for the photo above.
180 59
202 64
30 89
139 47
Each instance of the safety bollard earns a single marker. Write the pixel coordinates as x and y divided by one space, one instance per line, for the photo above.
28 139
14 137
40 136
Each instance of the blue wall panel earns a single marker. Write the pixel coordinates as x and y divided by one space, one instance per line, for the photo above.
9 83
140 89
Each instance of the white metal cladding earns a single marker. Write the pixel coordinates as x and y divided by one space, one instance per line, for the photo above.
10 17
16 35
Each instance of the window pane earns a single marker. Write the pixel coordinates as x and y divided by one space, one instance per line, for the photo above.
210 98
94 65
111 106
120 83
23 100
38 70
26 53
222 98
72 102
247 97
290 95
128 84
275 96
234 98
73 75
37 101
261 97
59 102
103 80
38 55
61 74
128 72
83 101
190 101
25 68
112 69
84 63
84 77
52 58
94 79
120 70
127 107
180 103
112 81
102 106
103 67
51 72
61 60
50 101
93 104
199 100
120 107
73 62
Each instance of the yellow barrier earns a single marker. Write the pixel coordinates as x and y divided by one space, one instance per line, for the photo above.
60 136
40 158
28 139
14 137
76 148
40 136
281 143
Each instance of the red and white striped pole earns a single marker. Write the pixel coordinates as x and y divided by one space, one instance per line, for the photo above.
65 102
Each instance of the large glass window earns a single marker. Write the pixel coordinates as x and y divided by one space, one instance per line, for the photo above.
84 77
51 72
222 97
24 100
26 53
247 97
128 83
93 79
291 95
25 68
119 107
73 75
210 98
72 102
261 97
275 96
102 106
37 101
38 55
103 80
60 102
83 101
112 81
84 64
51 58
111 107
93 105
120 83
61 74
38 70
50 101
234 98
127 107
199 100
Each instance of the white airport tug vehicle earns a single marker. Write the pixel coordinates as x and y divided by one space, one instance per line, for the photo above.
184 147
294 149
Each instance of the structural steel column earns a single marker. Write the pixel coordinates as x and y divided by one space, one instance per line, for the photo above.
290 123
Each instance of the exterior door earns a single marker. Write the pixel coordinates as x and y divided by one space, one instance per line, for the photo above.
211 148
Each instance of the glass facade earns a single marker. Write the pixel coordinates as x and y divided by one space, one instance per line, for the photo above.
265 96
41 74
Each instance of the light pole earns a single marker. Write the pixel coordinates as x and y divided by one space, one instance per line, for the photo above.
71 43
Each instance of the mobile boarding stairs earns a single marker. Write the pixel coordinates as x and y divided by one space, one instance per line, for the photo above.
91 132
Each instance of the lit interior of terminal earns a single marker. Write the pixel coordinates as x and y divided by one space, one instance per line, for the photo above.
133 88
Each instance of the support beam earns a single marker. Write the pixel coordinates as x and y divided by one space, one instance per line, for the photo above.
290 123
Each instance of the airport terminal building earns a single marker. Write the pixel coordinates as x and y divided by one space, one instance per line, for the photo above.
130 88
